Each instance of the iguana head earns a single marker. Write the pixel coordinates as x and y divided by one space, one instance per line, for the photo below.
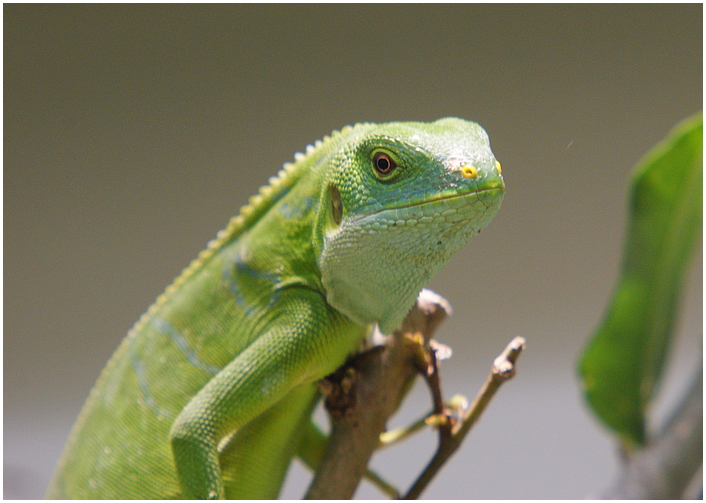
398 201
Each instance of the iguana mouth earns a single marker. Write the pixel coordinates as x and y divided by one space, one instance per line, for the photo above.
499 189
487 189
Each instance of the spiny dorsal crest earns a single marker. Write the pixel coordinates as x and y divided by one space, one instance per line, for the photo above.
257 205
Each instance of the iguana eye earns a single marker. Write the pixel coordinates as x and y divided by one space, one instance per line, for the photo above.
383 163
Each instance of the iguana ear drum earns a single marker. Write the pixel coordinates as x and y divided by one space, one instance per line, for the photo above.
336 204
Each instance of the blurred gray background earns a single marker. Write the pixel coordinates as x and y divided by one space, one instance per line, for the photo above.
133 133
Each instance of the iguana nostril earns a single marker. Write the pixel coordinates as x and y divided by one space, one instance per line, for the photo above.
469 171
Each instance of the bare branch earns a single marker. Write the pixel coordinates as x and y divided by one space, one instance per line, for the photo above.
451 435
366 394
664 468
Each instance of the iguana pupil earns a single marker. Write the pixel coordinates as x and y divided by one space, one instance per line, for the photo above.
383 163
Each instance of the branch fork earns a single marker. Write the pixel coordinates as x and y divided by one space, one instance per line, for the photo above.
363 394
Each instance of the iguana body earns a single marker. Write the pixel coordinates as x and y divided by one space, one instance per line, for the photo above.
210 393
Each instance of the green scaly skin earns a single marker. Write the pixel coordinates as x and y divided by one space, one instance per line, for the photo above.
209 395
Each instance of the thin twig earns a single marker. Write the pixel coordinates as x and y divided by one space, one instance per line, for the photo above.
397 435
451 435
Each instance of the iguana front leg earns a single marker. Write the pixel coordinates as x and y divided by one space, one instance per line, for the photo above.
299 345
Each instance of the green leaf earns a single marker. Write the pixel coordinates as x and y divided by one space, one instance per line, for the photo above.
622 364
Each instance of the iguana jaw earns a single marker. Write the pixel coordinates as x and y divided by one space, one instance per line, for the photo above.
404 247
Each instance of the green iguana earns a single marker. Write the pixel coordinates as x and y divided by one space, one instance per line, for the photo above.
210 393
